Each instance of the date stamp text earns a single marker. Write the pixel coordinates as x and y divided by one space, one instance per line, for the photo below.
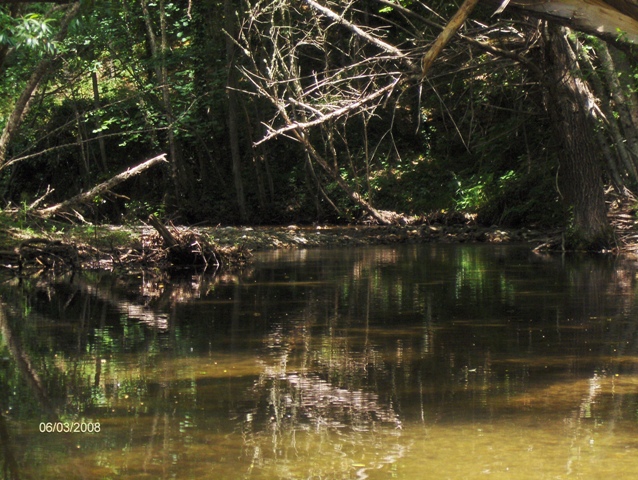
70 427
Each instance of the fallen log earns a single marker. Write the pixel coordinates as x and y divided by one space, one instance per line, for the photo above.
168 237
186 248
87 197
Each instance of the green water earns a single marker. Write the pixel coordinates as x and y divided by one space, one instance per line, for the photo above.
430 361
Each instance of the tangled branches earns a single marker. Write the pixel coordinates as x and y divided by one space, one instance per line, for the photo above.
316 64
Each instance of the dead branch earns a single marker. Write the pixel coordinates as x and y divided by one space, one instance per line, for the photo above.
15 160
358 105
362 33
38 201
86 197
446 35
168 237
185 248
47 254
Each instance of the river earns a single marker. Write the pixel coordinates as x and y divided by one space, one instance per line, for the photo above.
413 361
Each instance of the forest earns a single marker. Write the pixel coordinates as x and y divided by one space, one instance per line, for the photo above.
467 171
276 112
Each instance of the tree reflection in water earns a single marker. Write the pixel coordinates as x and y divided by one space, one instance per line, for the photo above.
326 363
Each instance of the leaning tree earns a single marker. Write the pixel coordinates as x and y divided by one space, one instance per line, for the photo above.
320 64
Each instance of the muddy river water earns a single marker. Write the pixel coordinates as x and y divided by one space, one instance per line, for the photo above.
414 361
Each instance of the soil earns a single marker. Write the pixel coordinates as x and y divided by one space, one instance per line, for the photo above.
212 248
265 238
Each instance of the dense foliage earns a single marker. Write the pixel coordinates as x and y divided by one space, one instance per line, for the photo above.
204 82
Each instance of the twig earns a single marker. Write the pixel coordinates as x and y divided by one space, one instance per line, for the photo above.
39 200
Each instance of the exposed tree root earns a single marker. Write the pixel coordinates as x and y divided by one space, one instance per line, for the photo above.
622 210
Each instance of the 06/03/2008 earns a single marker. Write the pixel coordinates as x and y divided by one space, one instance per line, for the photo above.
73 427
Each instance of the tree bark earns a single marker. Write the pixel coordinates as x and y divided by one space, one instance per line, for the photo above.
580 174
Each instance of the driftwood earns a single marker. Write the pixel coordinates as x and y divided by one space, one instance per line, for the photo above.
48 254
187 248
166 235
41 254
87 197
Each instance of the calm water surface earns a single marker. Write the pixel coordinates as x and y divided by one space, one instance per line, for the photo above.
432 361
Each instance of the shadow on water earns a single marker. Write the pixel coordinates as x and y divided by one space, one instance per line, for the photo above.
350 363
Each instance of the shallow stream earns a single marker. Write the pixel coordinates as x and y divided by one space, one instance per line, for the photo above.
422 361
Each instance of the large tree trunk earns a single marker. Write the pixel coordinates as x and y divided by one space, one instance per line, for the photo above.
580 174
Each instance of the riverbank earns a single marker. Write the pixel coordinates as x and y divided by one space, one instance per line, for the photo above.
132 247
265 238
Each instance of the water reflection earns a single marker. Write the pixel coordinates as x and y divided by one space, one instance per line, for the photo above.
361 363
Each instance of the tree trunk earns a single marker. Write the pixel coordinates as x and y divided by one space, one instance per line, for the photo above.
158 53
173 151
98 104
580 174
615 136
231 92
622 103
629 83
